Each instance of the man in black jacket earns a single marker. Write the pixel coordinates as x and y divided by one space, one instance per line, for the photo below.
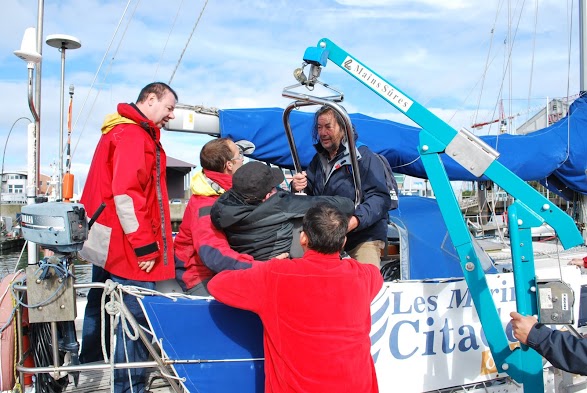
258 218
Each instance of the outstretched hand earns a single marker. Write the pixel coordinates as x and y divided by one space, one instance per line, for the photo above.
577 262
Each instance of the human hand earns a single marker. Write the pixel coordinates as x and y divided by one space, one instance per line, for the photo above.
353 223
147 266
577 262
522 325
299 181
285 255
47 252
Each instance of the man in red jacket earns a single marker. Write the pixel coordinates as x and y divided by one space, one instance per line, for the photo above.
131 239
201 250
315 311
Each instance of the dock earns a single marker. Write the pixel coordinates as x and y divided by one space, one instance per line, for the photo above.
98 381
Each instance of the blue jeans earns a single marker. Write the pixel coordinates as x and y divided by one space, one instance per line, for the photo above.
91 333
135 350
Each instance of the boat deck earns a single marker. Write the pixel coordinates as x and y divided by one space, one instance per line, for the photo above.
98 381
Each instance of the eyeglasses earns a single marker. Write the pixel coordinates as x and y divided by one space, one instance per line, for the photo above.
240 156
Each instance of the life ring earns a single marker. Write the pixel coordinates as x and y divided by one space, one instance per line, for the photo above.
7 339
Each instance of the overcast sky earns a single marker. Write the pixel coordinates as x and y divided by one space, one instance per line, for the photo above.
242 54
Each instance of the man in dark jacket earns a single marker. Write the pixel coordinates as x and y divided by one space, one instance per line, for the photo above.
561 349
330 173
257 218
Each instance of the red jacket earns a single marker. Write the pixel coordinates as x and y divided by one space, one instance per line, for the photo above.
128 174
201 250
316 318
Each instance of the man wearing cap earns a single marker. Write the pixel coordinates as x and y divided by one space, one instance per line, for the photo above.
258 218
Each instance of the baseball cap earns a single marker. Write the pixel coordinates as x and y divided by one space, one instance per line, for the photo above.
255 179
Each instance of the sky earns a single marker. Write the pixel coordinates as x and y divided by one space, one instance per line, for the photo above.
458 58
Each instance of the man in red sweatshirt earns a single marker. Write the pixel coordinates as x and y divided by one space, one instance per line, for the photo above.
315 311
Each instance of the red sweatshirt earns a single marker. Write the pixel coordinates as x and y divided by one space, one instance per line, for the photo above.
316 316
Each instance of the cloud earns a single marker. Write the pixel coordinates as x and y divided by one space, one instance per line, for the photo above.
242 54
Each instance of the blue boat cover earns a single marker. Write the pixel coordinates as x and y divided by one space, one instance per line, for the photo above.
225 339
543 155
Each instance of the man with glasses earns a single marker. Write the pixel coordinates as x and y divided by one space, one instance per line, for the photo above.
201 250
258 218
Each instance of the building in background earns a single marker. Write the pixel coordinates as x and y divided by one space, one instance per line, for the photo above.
13 189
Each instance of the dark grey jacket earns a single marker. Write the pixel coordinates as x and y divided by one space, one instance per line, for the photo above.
265 230
562 349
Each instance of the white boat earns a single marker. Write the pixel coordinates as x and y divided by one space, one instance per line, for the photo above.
426 333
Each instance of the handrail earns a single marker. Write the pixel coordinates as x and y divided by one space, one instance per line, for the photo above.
307 100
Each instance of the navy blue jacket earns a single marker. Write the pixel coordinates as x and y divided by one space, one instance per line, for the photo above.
561 349
372 212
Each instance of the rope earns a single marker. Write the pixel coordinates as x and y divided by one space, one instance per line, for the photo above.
409 163
486 65
568 82
187 43
6 143
533 52
24 246
167 41
96 76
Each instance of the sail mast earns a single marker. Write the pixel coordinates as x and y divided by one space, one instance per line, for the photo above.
582 199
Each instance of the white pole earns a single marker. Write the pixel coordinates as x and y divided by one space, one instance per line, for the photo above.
61 109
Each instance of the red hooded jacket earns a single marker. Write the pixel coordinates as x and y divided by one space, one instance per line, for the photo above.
128 174
201 250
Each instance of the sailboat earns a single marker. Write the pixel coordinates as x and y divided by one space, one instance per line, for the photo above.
425 323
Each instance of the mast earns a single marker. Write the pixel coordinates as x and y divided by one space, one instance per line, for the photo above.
33 174
581 198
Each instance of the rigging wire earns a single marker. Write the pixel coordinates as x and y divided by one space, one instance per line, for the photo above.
570 16
6 144
533 52
107 71
167 41
508 57
187 43
484 75
8 136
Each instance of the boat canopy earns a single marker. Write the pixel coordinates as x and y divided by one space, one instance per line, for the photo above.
543 155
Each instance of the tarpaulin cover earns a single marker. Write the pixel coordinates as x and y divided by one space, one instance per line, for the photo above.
536 156
224 338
